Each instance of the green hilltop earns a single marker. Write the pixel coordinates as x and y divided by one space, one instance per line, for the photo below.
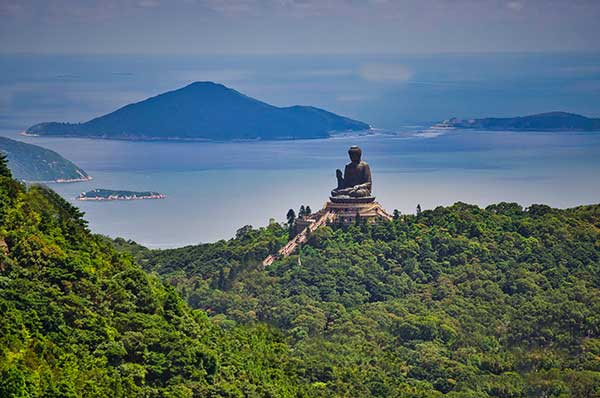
79 319
34 163
457 301
454 302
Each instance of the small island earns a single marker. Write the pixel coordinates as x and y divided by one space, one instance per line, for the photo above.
109 194
549 121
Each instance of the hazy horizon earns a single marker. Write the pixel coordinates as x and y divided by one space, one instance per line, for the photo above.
386 91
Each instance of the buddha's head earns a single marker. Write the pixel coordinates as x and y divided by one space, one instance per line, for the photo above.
355 153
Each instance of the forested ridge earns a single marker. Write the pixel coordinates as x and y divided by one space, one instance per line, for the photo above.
457 301
30 162
79 319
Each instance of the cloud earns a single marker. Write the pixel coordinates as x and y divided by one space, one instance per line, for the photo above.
148 3
297 26
352 98
515 5
385 73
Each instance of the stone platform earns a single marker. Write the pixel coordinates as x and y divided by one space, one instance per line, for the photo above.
347 210
351 200
344 210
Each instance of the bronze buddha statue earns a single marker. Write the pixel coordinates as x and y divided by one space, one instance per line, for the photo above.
356 180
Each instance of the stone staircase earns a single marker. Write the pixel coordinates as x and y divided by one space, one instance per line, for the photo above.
340 212
323 218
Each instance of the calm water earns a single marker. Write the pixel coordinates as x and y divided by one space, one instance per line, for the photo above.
214 188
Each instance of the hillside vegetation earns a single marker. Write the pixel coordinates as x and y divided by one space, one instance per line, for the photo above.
458 301
78 319
36 164
455 302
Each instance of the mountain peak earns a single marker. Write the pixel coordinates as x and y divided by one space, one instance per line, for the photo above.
204 85
556 114
208 111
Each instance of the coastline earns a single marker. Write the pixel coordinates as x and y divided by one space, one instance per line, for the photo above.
61 180
69 180
330 134
116 197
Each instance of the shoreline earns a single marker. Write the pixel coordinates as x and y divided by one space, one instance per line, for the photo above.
61 180
331 134
115 197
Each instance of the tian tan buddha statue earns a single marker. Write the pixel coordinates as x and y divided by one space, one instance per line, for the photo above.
356 181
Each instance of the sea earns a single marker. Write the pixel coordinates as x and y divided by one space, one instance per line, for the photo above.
215 188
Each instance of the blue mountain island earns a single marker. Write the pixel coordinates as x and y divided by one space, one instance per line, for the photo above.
550 121
205 111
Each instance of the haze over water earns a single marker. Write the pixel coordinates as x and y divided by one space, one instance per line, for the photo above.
215 188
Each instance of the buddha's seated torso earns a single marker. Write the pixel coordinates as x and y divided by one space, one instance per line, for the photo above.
356 174
356 181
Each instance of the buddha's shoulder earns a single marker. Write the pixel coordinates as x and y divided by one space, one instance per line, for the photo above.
360 165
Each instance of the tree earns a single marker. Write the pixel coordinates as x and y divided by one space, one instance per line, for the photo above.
291 219
4 170
302 211
396 214
358 219
307 211
291 216
419 209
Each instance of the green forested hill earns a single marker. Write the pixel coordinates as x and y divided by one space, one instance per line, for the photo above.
78 319
33 163
455 302
458 301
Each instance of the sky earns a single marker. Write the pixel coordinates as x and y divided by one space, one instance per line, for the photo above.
256 27
388 63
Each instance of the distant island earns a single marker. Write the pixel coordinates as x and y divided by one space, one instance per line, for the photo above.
205 111
32 163
109 194
550 121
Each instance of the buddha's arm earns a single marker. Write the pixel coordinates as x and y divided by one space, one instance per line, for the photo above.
366 185
340 179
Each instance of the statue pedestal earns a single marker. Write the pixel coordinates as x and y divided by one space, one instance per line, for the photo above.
346 210
351 200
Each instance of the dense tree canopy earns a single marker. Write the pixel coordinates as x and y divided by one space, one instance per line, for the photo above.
462 301
456 302
79 319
